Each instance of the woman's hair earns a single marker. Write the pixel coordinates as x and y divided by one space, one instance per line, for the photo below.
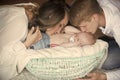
50 14
82 10
34 8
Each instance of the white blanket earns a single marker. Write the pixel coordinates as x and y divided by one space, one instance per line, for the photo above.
12 64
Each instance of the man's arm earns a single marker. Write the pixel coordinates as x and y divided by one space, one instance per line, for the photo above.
111 75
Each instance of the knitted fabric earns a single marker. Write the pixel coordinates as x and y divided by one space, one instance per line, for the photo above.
64 68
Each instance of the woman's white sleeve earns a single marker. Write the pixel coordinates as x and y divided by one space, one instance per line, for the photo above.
15 30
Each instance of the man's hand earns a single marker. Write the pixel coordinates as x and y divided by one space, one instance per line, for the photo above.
95 76
32 37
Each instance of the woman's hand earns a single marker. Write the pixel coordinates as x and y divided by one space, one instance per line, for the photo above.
34 35
95 76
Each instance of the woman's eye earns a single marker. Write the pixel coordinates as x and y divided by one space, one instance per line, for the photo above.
60 25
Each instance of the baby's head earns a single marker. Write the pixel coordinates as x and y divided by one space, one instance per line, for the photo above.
84 38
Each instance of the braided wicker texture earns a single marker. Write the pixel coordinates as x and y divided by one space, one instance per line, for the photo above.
64 68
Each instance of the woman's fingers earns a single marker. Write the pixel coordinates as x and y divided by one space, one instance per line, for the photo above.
38 33
32 30
34 35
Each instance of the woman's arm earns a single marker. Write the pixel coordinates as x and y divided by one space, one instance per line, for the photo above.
32 37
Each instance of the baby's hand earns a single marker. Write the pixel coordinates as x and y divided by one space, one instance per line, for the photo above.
33 37
54 45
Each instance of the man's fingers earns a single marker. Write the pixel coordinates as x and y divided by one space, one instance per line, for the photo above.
90 74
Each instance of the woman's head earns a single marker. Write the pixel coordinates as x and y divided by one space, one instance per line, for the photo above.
53 16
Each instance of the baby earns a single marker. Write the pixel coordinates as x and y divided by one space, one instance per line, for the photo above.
72 37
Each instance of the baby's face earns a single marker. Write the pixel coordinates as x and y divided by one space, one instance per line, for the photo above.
83 38
78 39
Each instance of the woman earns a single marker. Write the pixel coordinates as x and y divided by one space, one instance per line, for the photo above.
53 16
15 38
13 30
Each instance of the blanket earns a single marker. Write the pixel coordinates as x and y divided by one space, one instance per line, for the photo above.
75 64
14 63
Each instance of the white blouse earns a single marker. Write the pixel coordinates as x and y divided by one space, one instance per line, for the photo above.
13 24
13 30
111 9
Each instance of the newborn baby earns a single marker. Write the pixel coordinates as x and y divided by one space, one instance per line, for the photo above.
71 39
83 38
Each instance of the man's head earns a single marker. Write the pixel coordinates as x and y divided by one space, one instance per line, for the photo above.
84 14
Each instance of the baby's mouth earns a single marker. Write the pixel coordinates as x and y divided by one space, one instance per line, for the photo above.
72 39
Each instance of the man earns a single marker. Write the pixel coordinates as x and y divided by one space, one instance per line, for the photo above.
88 16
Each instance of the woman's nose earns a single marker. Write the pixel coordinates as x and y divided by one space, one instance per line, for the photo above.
59 30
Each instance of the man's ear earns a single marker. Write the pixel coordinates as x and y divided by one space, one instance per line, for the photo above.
95 17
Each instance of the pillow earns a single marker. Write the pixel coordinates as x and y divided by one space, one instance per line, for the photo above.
79 62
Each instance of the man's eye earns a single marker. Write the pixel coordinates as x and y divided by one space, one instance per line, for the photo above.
77 39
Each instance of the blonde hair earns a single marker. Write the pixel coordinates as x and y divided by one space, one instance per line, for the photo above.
82 10
33 7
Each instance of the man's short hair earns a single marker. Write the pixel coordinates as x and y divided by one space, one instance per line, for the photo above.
82 10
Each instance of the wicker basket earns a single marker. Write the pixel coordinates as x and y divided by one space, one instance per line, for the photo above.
64 68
